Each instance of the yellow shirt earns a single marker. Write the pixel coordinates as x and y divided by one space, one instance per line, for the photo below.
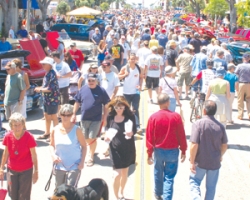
153 42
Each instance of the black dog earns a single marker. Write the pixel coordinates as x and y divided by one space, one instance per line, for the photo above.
97 189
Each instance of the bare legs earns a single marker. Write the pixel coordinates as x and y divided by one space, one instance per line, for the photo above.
92 147
48 119
120 180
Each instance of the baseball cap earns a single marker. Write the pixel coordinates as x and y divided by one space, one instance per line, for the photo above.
47 60
220 71
204 48
163 31
93 66
73 44
108 57
246 56
91 76
153 48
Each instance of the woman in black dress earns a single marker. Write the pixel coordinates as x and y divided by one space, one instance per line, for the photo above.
122 150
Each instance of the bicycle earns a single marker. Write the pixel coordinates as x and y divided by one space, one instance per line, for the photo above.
197 106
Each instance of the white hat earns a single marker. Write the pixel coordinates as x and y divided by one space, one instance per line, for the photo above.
47 60
59 39
170 70
153 48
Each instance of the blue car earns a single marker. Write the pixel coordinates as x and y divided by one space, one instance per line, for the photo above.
79 31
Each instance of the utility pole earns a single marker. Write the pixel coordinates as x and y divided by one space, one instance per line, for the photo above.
28 15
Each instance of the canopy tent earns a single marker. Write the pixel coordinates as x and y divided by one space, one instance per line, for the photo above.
83 11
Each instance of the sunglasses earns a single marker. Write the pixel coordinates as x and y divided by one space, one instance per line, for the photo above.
66 115
7 69
91 81
119 107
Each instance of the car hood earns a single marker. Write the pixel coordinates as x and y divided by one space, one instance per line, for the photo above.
36 70
14 54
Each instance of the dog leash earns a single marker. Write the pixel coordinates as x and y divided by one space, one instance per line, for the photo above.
47 186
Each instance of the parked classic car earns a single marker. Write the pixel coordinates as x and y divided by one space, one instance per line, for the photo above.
85 47
237 50
33 98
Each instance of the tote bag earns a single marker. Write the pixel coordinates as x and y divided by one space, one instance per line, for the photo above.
3 192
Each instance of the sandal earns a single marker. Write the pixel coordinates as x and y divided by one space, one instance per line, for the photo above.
44 136
106 154
90 163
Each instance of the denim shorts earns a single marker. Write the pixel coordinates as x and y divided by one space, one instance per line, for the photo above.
50 109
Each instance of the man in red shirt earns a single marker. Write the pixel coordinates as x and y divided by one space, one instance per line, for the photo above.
165 135
77 55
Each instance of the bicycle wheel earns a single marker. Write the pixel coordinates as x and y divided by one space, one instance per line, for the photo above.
196 113
192 116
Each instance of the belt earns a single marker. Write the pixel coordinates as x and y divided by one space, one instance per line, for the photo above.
245 82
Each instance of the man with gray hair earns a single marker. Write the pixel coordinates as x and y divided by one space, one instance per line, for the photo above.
219 60
196 42
14 90
227 55
165 135
208 145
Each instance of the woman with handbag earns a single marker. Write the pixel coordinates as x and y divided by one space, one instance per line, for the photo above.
68 149
20 152
168 85
122 146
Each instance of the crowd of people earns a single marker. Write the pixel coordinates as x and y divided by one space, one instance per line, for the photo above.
131 51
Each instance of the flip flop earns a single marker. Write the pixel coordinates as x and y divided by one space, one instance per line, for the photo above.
90 163
44 136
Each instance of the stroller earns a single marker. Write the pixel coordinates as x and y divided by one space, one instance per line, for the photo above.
73 86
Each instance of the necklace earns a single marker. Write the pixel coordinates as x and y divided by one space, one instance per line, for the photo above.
17 143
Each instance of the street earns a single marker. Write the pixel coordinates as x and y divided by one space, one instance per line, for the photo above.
234 175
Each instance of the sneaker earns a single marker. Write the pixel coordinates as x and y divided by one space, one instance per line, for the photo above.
151 101
158 197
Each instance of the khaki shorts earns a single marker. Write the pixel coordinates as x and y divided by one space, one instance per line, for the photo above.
9 110
90 128
184 76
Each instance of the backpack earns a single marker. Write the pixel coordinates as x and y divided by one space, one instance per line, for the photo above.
137 66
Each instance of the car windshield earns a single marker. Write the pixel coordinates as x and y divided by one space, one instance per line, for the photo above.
64 35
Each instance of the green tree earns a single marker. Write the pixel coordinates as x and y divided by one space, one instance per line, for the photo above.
43 5
216 7
233 13
196 6
80 3
104 6
243 11
127 6
63 8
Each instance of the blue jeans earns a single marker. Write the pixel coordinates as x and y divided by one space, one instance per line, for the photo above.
165 168
195 86
172 104
134 100
211 181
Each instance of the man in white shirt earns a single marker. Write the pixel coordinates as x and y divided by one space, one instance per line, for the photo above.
12 33
63 73
109 81
142 54
153 68
126 48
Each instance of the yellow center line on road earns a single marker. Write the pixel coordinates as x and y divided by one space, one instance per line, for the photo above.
143 185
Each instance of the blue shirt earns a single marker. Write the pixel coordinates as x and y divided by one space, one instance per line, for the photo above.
73 66
198 63
232 79
91 101
97 38
162 39
5 46
219 62
22 33
145 37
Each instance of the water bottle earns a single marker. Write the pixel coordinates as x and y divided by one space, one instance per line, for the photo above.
137 91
